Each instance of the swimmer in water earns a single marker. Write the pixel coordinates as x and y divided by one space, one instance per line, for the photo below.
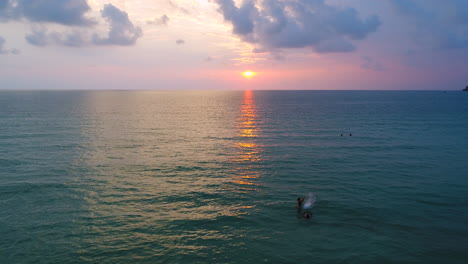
307 215
299 202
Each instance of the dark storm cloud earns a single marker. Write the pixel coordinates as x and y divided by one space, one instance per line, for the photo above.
122 31
435 24
64 12
280 24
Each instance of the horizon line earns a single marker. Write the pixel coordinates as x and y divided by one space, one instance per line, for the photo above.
184 89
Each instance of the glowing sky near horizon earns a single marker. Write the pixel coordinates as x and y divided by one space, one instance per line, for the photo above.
209 44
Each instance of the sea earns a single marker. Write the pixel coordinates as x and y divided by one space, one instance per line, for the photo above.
214 176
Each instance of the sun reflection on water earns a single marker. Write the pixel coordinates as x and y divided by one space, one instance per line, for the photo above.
249 151
154 170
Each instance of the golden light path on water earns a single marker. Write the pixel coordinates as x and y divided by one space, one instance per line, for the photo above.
157 163
248 150
156 155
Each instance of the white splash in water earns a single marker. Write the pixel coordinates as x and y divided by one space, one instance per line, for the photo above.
309 203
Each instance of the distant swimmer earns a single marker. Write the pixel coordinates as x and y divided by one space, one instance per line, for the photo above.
307 215
350 135
299 202
341 134
306 204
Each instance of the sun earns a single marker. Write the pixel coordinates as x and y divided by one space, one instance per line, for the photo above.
249 74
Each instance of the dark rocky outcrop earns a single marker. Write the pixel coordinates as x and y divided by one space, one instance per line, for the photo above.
466 89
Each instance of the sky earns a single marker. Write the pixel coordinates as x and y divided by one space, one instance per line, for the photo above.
208 44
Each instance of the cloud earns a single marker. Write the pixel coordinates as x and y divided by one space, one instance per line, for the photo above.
284 24
180 41
6 10
64 12
71 14
370 64
161 21
122 31
176 7
4 4
6 51
2 49
41 37
436 25
241 18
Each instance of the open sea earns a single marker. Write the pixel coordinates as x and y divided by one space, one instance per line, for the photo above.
213 176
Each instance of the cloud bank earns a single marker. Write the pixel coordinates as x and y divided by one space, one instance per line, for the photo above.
122 32
64 12
435 24
42 37
284 24
72 14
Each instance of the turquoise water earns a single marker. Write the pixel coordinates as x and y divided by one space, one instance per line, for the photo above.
213 176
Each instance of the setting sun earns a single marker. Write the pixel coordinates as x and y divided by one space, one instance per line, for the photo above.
249 74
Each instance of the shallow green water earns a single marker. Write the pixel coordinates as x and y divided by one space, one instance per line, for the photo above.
212 177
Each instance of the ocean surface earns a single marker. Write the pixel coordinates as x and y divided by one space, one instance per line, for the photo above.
213 176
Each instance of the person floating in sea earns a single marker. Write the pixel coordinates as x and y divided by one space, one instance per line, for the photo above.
307 214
